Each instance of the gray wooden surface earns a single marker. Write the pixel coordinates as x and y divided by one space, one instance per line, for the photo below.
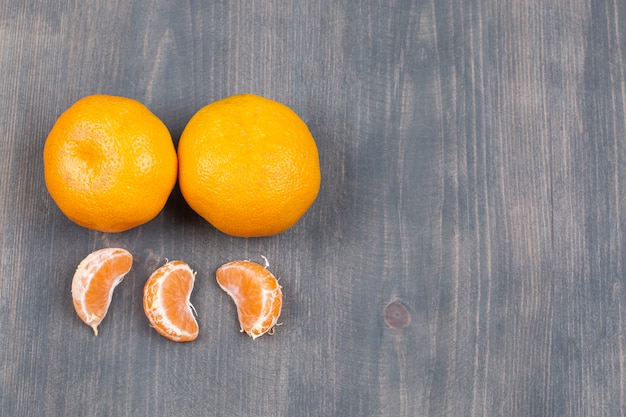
465 256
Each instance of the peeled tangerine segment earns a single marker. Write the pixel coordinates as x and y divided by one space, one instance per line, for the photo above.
94 281
256 294
166 302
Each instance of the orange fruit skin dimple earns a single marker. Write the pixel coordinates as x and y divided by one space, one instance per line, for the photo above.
256 293
94 281
109 163
166 302
248 165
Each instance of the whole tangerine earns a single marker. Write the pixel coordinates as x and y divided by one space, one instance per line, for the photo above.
248 165
109 163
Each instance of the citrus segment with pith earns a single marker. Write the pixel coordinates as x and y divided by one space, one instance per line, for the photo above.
256 293
94 281
166 302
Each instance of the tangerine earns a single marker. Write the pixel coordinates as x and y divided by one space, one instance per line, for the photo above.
248 165
94 281
166 302
256 293
109 163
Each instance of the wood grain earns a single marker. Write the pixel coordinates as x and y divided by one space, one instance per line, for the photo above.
465 256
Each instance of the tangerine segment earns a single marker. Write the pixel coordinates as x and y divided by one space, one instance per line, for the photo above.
166 302
256 293
94 281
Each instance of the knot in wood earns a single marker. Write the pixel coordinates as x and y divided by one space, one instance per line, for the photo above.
396 315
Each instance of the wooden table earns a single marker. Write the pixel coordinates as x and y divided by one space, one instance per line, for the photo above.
466 254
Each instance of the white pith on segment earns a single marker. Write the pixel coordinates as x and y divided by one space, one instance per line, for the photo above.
82 279
268 300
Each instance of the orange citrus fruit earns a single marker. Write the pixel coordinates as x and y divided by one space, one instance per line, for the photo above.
256 293
94 281
110 164
166 302
248 165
